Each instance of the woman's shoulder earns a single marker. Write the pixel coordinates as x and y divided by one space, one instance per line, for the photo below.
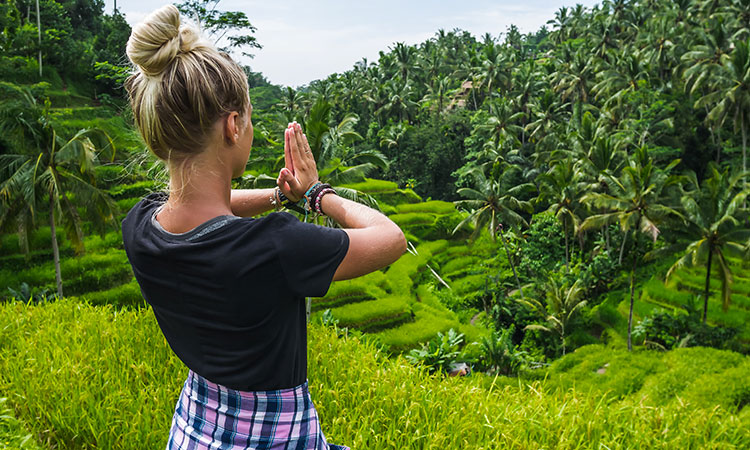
143 210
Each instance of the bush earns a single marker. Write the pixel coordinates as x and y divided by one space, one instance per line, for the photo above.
544 248
440 353
669 330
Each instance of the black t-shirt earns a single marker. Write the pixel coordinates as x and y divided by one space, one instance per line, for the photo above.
229 294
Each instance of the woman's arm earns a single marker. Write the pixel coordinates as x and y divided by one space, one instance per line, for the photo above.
251 202
374 240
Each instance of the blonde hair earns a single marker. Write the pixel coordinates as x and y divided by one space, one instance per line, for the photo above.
181 85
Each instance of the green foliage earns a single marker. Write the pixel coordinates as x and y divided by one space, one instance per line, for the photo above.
117 383
373 315
126 295
135 190
227 27
615 373
91 272
440 353
25 293
669 330
373 186
13 433
425 326
499 355
543 250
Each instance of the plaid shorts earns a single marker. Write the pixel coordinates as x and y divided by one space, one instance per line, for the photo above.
211 416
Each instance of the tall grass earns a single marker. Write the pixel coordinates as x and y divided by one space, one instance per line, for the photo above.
92 377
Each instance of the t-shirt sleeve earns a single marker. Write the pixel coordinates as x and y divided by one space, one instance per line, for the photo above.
309 254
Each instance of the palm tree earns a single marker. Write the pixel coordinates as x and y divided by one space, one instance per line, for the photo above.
635 200
562 305
502 126
491 205
714 222
561 187
400 100
702 63
46 169
405 59
547 115
437 94
731 94
393 137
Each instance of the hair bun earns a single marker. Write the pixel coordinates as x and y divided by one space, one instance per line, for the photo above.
155 42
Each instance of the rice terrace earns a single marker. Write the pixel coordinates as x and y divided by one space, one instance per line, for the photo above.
574 198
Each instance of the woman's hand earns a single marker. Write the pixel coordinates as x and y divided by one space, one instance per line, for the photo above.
300 171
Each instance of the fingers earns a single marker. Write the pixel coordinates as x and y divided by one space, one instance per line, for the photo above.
296 150
289 184
300 172
289 162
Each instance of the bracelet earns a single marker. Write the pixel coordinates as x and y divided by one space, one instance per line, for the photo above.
310 195
282 201
275 203
319 197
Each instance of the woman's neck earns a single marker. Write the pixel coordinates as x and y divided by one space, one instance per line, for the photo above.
200 190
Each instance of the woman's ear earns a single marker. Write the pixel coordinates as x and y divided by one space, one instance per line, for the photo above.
232 128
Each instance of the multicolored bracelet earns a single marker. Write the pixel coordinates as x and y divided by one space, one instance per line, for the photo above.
327 190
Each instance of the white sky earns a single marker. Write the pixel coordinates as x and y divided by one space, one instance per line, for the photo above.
308 40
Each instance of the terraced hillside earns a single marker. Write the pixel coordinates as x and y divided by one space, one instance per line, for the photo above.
689 284
400 305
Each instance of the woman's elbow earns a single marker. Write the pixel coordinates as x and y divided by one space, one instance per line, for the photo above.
398 242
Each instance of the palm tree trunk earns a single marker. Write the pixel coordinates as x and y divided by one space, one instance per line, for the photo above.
632 298
743 126
606 238
562 338
512 266
622 247
39 29
708 284
55 249
567 247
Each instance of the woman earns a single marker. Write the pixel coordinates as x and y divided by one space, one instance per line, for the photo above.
228 290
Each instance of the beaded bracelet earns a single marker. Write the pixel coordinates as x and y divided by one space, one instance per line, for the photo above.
319 197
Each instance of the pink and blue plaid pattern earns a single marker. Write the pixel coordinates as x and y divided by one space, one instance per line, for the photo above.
211 416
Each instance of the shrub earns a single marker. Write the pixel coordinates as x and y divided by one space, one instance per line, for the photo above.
499 355
440 353
544 248
669 330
